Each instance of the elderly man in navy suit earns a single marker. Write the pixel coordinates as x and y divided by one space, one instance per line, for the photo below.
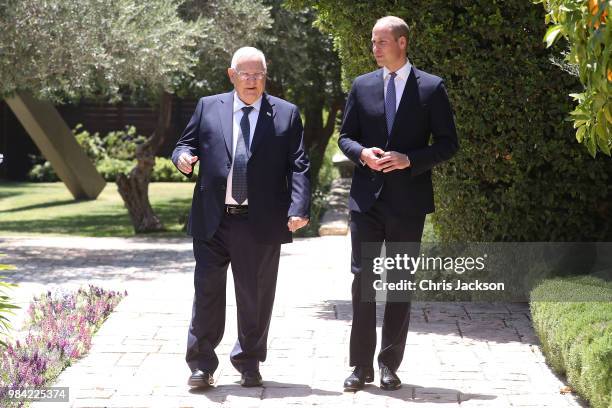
390 115
252 192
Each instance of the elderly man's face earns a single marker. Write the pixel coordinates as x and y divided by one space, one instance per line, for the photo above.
387 50
249 79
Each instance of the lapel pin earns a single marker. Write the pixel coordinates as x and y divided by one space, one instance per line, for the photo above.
268 113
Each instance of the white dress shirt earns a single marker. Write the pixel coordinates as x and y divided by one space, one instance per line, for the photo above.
400 81
253 115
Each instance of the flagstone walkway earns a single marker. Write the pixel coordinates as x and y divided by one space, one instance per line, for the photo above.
457 354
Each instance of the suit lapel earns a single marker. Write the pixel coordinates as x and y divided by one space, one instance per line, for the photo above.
376 88
265 124
379 100
226 119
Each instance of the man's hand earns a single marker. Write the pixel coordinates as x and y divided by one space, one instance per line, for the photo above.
186 162
393 161
295 223
370 157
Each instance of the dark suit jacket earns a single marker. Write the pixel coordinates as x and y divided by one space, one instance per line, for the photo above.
424 110
278 169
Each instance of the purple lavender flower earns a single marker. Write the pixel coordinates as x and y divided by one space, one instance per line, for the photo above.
60 328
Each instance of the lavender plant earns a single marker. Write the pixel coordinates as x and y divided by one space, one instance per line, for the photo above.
60 327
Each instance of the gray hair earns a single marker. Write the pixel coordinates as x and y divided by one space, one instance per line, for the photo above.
248 52
398 27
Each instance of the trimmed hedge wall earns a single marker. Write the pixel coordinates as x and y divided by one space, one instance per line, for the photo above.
520 175
577 336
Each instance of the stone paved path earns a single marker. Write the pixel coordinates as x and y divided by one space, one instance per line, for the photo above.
457 354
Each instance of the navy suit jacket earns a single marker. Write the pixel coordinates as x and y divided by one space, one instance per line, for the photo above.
424 110
278 169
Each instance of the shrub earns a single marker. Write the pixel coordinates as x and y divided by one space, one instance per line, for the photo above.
576 337
110 167
92 144
112 155
42 172
165 170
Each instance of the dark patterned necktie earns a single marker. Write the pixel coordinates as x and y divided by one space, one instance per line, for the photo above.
239 176
390 102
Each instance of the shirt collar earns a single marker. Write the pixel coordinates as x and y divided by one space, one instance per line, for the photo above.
238 104
402 73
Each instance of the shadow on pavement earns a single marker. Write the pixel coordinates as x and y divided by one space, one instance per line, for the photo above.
270 389
489 321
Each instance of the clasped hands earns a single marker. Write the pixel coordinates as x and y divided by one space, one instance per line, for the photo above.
185 164
379 160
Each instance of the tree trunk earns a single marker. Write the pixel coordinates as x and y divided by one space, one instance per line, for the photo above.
317 135
134 187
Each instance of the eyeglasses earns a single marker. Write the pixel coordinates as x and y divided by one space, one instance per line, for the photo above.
245 75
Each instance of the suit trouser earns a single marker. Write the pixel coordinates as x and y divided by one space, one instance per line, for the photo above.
376 225
255 268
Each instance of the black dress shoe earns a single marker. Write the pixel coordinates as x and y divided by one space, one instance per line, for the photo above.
251 379
358 378
388 379
200 379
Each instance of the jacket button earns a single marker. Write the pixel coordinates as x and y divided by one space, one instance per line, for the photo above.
229 165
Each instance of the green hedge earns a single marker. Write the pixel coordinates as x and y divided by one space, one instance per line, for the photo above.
520 175
576 337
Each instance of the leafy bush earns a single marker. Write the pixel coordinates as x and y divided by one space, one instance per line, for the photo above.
576 337
109 167
42 172
112 154
519 174
164 170
118 144
583 24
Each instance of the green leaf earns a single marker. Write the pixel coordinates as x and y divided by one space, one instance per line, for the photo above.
577 96
607 112
591 143
552 33
580 133
603 140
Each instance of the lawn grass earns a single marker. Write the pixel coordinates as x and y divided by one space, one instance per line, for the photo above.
48 208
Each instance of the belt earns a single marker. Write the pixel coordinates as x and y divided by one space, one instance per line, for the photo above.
236 209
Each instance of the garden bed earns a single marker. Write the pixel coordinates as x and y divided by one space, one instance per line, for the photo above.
58 331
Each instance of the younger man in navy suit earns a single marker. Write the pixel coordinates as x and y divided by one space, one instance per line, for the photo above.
389 117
